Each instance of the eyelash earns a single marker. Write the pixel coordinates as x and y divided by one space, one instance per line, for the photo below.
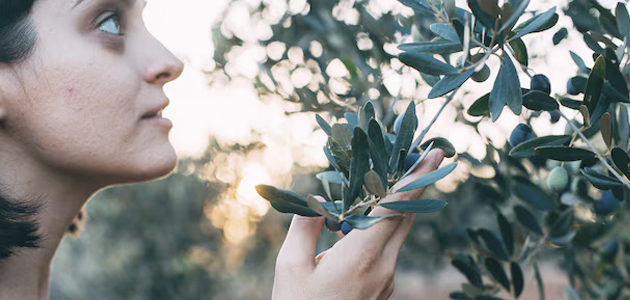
116 17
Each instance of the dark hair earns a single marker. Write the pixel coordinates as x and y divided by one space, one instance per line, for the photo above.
18 229
17 34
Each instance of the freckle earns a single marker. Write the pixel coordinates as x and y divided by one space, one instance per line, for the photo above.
70 90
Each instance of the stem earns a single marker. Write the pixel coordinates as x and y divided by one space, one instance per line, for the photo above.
417 141
599 156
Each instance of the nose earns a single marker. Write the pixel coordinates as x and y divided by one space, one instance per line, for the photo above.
161 66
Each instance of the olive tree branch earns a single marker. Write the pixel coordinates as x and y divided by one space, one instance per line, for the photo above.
419 139
599 156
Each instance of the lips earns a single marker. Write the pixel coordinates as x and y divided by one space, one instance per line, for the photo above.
156 112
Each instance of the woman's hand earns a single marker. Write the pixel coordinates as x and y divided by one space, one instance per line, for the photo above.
360 266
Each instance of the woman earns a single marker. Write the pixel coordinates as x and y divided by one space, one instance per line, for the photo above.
80 109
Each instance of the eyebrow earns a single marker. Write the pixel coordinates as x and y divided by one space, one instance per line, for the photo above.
128 3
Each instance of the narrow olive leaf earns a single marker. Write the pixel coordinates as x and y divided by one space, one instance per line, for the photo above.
570 103
621 160
362 121
595 83
342 135
564 153
441 143
486 19
324 125
374 184
486 297
527 149
378 151
563 225
493 244
506 12
615 79
613 93
506 89
600 180
540 283
449 83
469 271
340 156
330 157
623 128
402 158
538 22
586 115
516 14
333 177
360 164
419 5
605 128
527 219
579 62
517 279
539 100
369 113
405 135
426 64
491 7
623 21
440 47
429 179
480 107
533 195
495 269
317 207
445 31
449 6
326 186
507 233
592 43
363 222
416 206
521 51
286 201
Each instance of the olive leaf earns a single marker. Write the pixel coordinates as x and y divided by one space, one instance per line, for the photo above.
429 179
286 201
527 219
449 83
317 207
506 90
535 24
517 278
527 149
495 269
416 206
374 184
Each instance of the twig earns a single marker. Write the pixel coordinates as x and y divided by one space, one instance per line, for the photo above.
417 141
599 156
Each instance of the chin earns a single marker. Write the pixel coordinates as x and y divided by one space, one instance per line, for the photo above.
153 166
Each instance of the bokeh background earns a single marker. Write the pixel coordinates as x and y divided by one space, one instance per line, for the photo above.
203 232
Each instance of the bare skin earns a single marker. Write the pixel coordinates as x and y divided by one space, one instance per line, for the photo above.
82 112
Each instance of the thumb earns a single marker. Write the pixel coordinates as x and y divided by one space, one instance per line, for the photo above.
299 247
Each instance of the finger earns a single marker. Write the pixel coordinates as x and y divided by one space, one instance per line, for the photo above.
299 247
390 253
379 234
387 292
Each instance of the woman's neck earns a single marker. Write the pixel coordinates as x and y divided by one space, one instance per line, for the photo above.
25 274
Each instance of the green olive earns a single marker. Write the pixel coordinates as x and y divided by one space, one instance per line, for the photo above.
558 179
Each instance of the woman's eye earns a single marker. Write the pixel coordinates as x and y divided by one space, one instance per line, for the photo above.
111 25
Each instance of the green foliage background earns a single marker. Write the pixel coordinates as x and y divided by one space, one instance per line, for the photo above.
154 240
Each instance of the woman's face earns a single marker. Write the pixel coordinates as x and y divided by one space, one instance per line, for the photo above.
88 100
